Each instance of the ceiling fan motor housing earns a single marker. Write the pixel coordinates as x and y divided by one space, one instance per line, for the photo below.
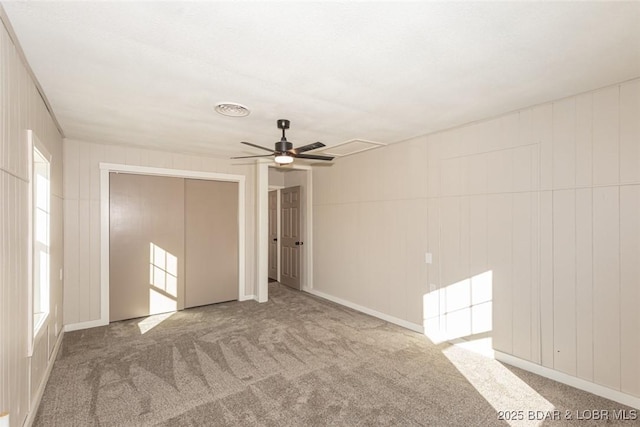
283 124
283 145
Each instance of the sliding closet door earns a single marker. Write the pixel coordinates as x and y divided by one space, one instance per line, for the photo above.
211 241
146 266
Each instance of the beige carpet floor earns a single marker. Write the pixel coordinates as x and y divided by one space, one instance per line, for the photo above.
296 360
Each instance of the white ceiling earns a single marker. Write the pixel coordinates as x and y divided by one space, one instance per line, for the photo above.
149 73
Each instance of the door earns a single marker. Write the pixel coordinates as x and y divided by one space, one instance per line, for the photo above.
291 243
146 238
211 242
273 235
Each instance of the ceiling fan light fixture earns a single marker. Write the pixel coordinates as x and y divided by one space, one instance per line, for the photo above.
283 159
231 109
283 150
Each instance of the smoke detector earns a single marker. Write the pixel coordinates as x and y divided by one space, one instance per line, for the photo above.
231 109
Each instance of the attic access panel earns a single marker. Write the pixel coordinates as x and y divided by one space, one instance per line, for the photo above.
350 147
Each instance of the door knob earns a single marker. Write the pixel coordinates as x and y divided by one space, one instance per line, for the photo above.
275 240
299 243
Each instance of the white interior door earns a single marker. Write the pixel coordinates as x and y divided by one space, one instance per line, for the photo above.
273 235
291 242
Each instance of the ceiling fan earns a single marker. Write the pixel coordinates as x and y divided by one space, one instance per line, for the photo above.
284 152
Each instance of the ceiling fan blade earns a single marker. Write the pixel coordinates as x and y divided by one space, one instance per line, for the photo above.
250 157
257 146
308 147
312 157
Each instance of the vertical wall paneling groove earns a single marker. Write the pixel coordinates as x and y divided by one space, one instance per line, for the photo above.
564 280
564 152
584 284
630 235
500 258
546 279
84 272
430 296
606 136
528 136
545 199
522 249
629 288
94 262
534 292
606 286
542 130
584 140
630 132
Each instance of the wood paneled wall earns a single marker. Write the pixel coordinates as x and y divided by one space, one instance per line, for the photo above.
370 229
546 199
22 108
82 215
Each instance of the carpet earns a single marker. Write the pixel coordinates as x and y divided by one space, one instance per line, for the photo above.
295 360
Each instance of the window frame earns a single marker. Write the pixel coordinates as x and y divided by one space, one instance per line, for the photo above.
36 329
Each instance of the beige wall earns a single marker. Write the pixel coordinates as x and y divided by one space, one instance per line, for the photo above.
82 215
276 177
22 108
370 229
546 199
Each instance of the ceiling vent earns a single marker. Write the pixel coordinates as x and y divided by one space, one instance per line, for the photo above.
352 146
231 109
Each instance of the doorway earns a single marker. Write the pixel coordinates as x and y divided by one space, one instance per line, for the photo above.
275 178
285 235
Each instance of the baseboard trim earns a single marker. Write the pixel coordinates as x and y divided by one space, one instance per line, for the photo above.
100 322
85 325
36 403
391 319
597 389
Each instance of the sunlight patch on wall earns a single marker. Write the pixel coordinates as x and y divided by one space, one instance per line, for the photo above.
459 310
163 280
163 270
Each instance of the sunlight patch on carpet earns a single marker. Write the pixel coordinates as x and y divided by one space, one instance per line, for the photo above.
518 404
148 323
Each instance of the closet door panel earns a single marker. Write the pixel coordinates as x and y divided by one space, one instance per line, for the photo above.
211 241
146 267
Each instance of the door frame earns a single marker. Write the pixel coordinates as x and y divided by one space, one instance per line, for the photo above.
262 229
105 169
277 189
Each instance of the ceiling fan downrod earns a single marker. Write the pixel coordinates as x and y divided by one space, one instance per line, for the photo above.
283 145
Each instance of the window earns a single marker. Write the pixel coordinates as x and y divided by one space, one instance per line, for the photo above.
41 234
